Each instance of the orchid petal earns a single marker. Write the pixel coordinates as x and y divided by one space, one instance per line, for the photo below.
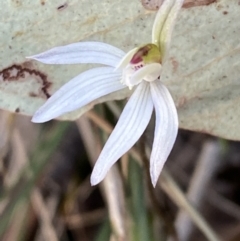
159 21
165 130
126 59
78 92
131 125
166 33
149 72
82 52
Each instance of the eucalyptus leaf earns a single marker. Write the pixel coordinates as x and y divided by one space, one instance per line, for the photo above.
202 71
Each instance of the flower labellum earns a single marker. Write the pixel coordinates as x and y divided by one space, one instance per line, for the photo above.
144 62
148 54
139 68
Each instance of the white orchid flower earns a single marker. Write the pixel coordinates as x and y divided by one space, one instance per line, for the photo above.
139 68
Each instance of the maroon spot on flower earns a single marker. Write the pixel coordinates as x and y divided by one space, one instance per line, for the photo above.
138 57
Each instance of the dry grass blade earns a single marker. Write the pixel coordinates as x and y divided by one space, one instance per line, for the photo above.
29 175
87 219
20 159
43 214
114 108
14 229
222 203
116 202
112 184
178 197
204 171
6 123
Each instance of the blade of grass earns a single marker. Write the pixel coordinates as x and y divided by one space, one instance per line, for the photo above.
44 216
178 197
207 165
111 186
141 224
39 159
104 232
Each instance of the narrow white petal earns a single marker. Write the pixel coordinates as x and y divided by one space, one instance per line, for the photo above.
126 59
166 128
82 52
132 123
78 92
166 33
149 72
160 19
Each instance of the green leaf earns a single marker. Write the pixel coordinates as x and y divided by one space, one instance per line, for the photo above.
202 71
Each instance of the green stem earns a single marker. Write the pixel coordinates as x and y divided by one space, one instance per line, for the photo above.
141 229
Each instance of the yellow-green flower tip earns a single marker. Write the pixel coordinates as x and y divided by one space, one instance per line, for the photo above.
147 54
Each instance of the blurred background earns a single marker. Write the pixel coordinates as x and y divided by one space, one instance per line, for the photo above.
46 193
